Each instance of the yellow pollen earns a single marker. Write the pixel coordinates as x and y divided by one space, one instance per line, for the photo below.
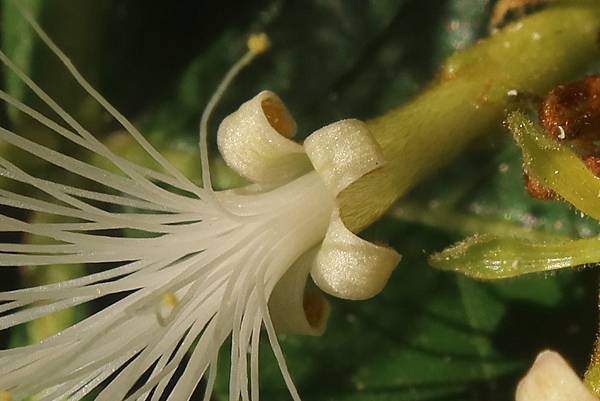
169 298
258 43
5 396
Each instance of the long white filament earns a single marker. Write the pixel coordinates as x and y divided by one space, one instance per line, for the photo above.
210 106
100 99
80 141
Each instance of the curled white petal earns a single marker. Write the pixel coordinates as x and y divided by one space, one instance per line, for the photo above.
295 307
254 141
552 379
349 267
343 152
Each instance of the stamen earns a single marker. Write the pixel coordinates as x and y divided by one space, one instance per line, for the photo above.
316 308
257 44
5 396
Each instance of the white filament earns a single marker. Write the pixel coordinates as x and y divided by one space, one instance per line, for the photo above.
212 103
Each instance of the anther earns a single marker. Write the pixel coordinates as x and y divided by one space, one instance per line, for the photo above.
170 299
258 43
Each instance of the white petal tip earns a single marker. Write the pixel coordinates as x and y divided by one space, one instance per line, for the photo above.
552 379
348 267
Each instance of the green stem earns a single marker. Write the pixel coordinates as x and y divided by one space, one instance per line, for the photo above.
446 219
469 99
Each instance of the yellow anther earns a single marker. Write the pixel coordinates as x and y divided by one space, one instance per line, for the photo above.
5 396
170 298
258 43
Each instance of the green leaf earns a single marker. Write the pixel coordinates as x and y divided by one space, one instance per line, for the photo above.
78 29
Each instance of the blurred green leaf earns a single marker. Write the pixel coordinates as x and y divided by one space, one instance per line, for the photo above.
78 29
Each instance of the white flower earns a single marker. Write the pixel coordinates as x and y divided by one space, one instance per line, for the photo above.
552 379
209 265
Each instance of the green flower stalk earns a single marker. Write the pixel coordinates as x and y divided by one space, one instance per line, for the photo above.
469 99
203 266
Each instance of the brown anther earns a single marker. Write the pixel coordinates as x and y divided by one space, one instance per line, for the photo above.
572 112
279 117
315 306
537 190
